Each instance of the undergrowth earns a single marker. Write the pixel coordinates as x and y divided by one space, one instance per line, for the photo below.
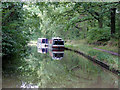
107 58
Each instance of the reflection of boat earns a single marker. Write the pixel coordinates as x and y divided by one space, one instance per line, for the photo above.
42 42
42 50
57 54
56 43
56 47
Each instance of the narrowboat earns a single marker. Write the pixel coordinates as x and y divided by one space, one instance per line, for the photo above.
42 42
56 43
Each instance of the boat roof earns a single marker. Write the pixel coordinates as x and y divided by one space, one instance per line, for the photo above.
42 38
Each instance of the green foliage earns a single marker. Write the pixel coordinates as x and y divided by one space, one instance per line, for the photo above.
99 55
66 20
105 57
14 36
70 21
98 34
62 19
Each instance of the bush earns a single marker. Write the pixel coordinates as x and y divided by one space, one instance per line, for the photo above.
14 36
98 34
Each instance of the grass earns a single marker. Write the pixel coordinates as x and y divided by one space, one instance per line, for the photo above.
107 58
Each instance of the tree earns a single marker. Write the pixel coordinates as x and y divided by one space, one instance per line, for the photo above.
15 37
113 11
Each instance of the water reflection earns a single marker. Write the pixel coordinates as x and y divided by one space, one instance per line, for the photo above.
42 50
73 71
55 53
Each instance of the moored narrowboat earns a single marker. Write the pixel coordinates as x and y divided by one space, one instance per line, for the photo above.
42 43
56 43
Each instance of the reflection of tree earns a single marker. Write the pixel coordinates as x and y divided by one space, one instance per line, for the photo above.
44 72
10 82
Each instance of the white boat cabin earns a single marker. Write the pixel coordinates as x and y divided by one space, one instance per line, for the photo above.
42 42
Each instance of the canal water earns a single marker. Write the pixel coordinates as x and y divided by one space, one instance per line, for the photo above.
42 70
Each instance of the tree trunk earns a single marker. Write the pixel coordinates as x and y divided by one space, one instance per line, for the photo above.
113 10
100 23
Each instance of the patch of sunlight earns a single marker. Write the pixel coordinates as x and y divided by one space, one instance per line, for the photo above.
32 43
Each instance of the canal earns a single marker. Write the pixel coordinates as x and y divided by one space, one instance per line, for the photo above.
71 71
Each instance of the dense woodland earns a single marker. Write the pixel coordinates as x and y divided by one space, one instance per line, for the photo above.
96 23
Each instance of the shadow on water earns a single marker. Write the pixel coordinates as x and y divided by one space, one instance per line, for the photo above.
49 68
